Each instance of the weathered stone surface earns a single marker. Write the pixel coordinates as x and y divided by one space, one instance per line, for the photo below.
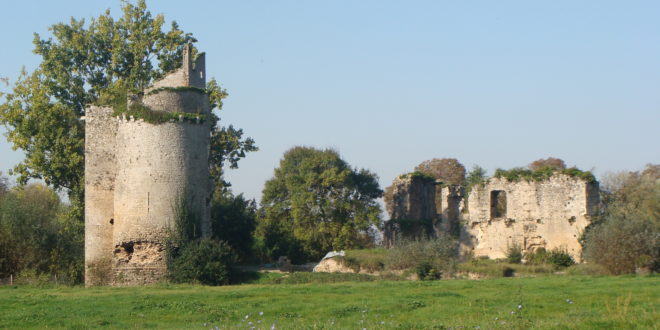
137 175
411 205
548 214
500 214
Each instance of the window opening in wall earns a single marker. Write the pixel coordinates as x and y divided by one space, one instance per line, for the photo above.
497 204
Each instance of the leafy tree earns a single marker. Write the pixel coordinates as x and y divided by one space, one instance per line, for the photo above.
316 202
627 235
447 170
233 219
477 175
28 229
554 163
97 63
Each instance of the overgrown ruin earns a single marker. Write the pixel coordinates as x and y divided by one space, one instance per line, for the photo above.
495 216
138 174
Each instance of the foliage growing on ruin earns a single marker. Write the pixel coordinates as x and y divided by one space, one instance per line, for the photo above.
316 201
178 89
552 162
476 176
448 170
541 174
141 111
417 175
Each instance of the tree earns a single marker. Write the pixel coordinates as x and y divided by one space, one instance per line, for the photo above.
627 235
28 229
233 219
447 170
97 63
550 162
316 203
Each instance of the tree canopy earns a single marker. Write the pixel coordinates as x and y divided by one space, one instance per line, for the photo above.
447 170
86 63
316 203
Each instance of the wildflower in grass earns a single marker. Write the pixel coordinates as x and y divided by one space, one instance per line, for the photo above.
568 301
519 306
512 312
261 313
246 316
272 327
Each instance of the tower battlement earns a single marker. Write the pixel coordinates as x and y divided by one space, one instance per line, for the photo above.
192 72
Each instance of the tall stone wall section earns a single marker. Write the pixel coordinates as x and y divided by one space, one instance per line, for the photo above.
548 214
100 169
411 208
140 175
161 169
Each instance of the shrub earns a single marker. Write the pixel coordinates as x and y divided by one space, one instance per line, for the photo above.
627 237
440 253
537 257
426 271
204 261
514 254
622 244
560 258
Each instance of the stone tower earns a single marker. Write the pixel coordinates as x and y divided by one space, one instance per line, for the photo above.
139 174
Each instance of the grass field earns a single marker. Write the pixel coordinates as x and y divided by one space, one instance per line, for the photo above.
570 302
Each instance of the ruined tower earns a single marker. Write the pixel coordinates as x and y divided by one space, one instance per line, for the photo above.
139 174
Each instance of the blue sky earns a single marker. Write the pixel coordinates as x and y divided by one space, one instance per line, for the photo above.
392 83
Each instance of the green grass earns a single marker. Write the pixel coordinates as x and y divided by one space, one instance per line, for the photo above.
558 302
499 268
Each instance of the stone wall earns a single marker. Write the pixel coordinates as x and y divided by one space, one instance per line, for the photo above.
411 205
100 131
548 214
449 205
139 175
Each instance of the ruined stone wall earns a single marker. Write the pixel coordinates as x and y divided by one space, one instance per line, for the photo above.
191 73
100 131
412 198
177 101
548 214
411 208
449 205
159 168
138 177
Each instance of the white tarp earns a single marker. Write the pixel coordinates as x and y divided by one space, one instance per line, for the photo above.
334 254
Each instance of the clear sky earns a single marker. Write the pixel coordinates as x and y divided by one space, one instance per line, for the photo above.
392 83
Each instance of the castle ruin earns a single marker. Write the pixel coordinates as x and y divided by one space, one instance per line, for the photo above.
495 216
139 174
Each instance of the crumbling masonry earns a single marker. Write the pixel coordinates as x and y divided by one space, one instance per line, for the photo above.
137 175
495 216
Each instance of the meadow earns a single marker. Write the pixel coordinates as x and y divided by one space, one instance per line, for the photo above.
345 302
